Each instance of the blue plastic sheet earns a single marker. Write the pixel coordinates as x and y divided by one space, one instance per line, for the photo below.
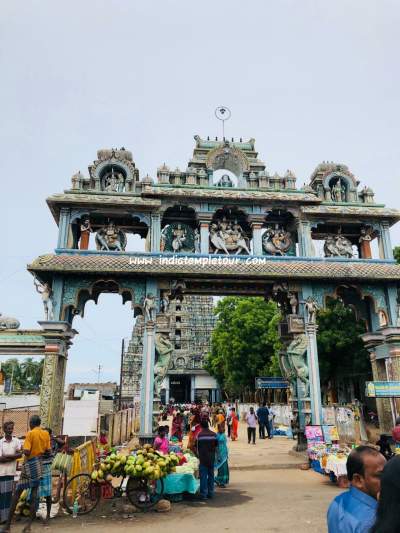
179 483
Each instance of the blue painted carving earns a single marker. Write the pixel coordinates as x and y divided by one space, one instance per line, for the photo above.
77 291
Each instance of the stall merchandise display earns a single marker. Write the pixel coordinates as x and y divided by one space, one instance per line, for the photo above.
143 463
329 459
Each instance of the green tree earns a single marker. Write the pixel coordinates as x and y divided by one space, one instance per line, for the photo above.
396 253
25 375
341 351
31 374
245 342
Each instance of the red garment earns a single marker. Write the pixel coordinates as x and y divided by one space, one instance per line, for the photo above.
194 431
396 433
235 426
177 427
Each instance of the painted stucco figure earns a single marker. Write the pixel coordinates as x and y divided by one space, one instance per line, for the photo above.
111 238
45 291
149 307
277 242
164 349
294 362
8 322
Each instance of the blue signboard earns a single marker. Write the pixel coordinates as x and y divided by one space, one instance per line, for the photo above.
382 389
271 383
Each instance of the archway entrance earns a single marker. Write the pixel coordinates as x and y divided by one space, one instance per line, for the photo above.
179 389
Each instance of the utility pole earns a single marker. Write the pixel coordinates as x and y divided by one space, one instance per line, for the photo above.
121 373
98 375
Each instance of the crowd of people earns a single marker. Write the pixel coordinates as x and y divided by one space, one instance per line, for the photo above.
208 429
186 420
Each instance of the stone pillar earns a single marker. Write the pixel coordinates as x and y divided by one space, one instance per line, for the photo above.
147 385
313 368
192 388
63 227
257 238
385 245
167 389
58 337
155 232
56 297
391 303
306 248
204 238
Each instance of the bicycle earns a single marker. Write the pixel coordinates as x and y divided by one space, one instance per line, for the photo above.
142 493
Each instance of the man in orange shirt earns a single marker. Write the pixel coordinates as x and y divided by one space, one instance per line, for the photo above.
36 444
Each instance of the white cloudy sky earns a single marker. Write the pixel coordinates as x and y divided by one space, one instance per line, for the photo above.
310 80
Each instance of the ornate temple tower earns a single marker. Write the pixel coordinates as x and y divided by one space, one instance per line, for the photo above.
191 322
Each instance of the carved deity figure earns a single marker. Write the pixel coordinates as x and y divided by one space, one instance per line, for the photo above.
120 182
113 182
311 309
164 303
149 307
225 181
338 246
338 191
111 238
45 291
197 247
179 238
277 242
229 237
217 239
239 238
164 351
294 361
86 230
365 243
293 302
8 322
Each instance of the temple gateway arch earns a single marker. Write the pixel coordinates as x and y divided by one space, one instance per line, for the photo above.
224 225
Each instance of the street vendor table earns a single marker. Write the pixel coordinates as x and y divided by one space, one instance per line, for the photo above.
337 465
180 483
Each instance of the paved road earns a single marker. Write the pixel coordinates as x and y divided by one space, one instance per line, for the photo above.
277 497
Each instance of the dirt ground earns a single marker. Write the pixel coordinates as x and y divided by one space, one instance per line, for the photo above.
267 492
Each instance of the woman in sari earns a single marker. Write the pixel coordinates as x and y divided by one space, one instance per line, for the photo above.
195 429
219 418
221 460
234 424
177 426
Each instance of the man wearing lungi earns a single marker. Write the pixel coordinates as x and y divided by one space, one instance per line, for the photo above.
10 451
36 444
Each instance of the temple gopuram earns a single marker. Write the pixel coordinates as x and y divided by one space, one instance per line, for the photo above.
224 225
188 330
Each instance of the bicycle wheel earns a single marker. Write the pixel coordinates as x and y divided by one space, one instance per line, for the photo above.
82 489
144 493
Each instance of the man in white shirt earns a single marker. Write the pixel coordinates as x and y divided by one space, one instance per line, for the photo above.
10 451
251 419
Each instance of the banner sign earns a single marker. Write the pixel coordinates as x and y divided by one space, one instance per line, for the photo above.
382 389
330 433
314 435
271 383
